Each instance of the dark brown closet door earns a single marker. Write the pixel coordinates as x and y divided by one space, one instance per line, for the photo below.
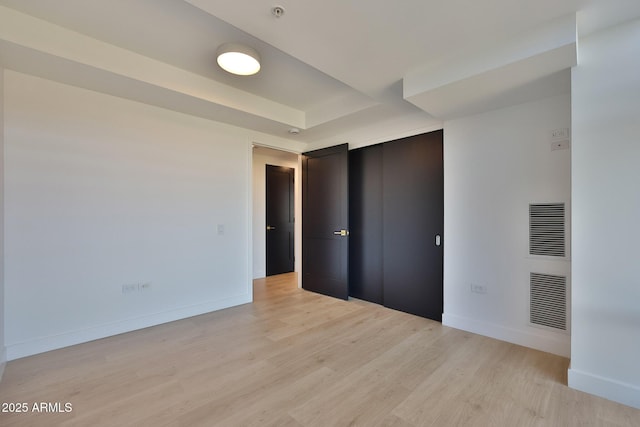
413 217
365 221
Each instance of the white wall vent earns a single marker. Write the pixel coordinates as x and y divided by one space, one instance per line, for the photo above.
547 229
548 304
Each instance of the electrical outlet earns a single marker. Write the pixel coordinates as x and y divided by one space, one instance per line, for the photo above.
557 134
478 289
129 288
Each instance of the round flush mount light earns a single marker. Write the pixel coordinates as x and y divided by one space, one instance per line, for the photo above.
239 59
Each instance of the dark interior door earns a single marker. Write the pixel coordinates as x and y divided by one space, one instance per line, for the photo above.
325 214
365 222
413 206
280 219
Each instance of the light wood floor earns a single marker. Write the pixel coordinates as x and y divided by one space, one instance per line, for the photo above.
294 358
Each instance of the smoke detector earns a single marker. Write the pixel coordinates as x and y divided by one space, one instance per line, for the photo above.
277 11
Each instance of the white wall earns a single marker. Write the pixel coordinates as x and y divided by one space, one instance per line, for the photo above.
3 355
606 230
263 156
495 164
101 192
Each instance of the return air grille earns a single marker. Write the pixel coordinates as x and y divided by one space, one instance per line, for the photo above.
548 301
547 229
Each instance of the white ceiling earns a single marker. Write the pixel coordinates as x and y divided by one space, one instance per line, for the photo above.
355 71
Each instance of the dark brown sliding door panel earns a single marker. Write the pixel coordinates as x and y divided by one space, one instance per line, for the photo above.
365 220
413 217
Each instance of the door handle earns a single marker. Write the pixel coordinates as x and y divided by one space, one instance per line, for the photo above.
270 228
438 240
341 232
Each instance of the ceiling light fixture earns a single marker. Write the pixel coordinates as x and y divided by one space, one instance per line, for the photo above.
239 59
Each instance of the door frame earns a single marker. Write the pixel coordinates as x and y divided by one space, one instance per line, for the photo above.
277 157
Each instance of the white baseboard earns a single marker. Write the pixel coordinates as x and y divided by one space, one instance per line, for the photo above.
620 392
41 345
557 345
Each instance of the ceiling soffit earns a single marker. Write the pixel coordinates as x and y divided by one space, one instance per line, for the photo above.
38 47
494 77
